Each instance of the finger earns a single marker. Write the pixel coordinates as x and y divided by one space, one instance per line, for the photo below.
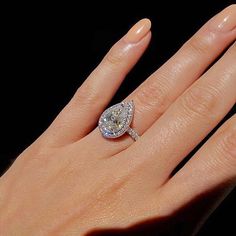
187 121
81 114
212 166
159 91
155 95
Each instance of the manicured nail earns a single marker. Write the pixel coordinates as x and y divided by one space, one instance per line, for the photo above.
226 20
138 31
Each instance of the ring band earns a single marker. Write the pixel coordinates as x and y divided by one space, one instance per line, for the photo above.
133 134
115 121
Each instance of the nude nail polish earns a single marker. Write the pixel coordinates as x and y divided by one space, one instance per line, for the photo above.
225 21
138 31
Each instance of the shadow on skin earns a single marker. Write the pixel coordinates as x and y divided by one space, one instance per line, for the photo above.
186 221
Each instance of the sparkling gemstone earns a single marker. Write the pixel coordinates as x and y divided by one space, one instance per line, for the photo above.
115 121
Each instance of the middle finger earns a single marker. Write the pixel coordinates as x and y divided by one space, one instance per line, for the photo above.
187 121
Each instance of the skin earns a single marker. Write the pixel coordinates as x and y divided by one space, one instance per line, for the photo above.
71 180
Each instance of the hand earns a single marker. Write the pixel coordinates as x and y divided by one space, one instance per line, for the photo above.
72 180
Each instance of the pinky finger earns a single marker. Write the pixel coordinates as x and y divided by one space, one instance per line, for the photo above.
212 167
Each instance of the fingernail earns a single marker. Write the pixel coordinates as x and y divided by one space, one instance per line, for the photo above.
226 20
138 31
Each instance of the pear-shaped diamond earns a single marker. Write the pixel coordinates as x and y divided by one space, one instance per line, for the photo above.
115 120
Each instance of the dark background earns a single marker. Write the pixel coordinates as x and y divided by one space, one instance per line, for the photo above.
48 51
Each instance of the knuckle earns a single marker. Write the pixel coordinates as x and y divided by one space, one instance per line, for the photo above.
114 57
229 142
198 44
152 95
200 101
87 95
203 40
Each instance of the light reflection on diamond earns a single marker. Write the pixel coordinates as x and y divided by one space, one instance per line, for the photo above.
116 120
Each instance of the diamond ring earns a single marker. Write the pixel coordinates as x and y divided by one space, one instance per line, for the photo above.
115 121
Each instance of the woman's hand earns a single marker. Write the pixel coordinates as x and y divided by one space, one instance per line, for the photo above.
72 180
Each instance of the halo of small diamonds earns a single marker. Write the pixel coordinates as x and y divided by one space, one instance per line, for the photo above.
115 120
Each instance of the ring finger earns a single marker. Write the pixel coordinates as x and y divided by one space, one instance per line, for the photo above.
159 91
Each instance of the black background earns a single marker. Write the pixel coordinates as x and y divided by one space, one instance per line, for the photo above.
48 51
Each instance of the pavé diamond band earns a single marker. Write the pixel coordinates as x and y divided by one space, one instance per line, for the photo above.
115 121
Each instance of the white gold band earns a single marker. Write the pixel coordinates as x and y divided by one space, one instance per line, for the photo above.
134 135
